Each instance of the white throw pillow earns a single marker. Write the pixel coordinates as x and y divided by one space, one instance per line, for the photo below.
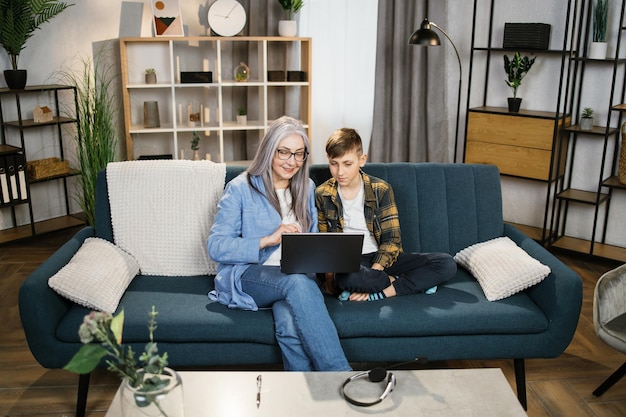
96 276
501 267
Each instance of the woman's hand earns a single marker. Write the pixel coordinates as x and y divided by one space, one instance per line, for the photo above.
275 238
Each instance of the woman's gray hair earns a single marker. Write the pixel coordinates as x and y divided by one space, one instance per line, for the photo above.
299 183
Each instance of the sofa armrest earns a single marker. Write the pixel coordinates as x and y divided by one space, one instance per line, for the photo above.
42 309
559 295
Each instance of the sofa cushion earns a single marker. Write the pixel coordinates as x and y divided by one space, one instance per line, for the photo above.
501 267
96 276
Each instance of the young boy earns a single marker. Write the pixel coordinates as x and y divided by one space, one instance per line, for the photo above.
352 201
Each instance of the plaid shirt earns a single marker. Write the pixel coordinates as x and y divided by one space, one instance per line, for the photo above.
381 215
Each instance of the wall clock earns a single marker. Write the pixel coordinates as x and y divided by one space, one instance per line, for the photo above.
227 17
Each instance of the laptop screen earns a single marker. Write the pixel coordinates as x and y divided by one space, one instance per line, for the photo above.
320 252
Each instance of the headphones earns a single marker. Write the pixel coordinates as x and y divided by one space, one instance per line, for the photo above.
375 375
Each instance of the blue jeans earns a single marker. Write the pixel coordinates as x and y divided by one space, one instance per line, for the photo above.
304 330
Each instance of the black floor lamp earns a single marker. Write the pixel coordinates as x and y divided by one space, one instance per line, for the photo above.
425 36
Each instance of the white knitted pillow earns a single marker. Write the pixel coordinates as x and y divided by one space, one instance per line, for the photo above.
96 276
501 267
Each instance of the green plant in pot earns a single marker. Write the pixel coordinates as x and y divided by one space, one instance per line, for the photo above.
586 119
516 69
18 21
97 135
289 27
597 49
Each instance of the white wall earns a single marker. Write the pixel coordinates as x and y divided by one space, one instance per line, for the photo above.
344 46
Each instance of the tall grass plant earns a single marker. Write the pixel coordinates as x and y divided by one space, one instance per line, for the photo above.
96 137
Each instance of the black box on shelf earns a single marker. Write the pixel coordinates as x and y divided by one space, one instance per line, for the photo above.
276 76
296 76
526 36
200 77
148 157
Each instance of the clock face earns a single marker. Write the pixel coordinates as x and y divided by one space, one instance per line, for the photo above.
227 17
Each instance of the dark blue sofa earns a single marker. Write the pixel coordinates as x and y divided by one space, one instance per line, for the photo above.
443 207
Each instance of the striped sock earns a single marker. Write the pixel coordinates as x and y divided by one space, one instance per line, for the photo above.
375 296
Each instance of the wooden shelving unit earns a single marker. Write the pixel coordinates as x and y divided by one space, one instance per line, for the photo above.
14 141
602 146
216 102
522 144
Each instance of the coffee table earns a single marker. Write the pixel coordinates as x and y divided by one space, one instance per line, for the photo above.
434 393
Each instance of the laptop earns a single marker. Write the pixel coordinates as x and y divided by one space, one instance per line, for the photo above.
304 253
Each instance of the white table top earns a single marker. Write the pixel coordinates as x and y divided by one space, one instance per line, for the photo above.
432 393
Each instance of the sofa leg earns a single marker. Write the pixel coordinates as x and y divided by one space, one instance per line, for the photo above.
611 380
83 390
520 381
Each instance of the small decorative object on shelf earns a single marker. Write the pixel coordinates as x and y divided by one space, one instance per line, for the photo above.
289 27
597 48
516 69
622 158
42 114
151 77
242 117
242 72
586 119
195 145
151 114
148 388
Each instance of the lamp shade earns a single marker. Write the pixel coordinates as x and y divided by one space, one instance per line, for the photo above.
425 36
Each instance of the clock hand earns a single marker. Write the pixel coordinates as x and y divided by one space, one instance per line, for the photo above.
231 10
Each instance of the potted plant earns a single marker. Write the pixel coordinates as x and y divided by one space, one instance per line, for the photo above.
516 69
97 133
586 119
242 117
149 387
289 27
18 21
597 49
151 77
195 145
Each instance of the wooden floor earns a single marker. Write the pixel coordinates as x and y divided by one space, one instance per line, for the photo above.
556 387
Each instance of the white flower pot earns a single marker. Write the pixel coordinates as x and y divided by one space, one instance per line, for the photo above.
242 119
597 50
287 28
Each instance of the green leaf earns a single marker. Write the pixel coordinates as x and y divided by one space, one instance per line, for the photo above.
86 359
117 325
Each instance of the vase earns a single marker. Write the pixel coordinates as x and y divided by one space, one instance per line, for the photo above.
151 78
15 79
151 114
163 402
242 72
621 169
242 119
514 104
196 155
597 50
287 28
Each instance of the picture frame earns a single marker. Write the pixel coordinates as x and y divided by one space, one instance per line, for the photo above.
166 18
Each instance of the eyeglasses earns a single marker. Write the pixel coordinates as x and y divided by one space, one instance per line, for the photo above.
285 154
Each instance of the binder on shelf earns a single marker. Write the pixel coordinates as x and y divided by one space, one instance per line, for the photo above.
12 173
4 182
20 163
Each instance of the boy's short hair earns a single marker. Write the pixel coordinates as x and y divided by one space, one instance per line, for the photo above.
342 141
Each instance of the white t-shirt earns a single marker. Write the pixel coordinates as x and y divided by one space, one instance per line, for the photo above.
284 197
354 219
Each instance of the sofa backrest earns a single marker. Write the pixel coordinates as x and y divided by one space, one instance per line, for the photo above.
442 207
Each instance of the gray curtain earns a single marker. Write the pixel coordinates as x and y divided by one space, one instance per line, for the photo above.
410 120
